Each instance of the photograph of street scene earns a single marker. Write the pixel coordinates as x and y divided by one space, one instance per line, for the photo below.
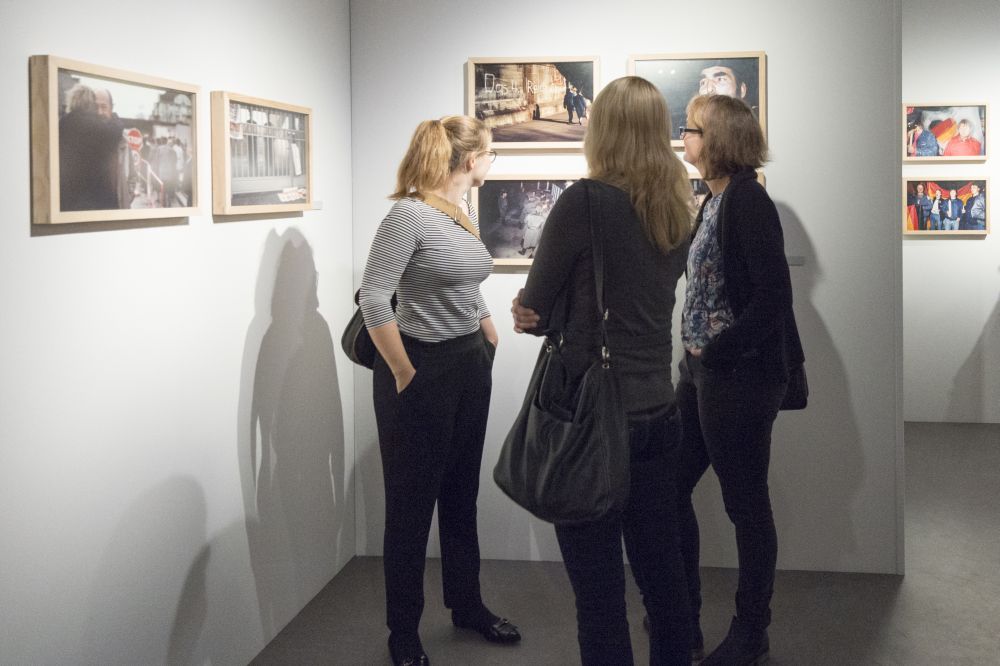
532 102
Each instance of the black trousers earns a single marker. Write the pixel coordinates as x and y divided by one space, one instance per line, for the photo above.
727 419
592 553
431 439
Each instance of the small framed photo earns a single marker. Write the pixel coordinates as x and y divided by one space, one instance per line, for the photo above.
107 144
944 133
532 103
512 213
681 76
261 155
945 207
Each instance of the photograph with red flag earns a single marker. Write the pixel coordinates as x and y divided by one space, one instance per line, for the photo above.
944 133
945 207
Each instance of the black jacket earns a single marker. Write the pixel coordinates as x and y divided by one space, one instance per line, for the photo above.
639 285
757 284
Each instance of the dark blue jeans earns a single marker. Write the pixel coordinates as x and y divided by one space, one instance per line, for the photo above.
592 553
727 419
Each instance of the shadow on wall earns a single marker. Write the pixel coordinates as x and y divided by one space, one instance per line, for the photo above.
817 462
291 436
976 386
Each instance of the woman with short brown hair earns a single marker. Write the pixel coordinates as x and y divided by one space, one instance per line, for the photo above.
740 340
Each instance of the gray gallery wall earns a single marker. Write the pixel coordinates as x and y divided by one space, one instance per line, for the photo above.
135 361
951 286
835 478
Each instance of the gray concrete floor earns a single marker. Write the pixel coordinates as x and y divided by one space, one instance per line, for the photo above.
946 610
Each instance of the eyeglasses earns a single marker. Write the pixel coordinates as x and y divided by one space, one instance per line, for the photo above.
689 130
492 154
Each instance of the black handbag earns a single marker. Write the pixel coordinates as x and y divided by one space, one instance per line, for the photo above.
570 466
797 393
356 341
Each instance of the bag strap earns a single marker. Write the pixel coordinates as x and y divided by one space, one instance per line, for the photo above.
451 210
597 245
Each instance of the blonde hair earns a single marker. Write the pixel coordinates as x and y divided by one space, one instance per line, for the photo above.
628 145
732 139
437 149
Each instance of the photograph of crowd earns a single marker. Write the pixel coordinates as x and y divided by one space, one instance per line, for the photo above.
683 76
952 207
532 104
119 142
944 133
512 213
264 149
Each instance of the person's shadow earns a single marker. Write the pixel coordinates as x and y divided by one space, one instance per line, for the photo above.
817 462
973 392
291 436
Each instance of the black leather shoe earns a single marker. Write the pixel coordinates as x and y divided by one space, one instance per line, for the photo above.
498 631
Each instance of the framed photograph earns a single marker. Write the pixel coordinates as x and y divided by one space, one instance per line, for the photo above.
110 145
532 103
944 133
681 76
945 207
261 155
512 213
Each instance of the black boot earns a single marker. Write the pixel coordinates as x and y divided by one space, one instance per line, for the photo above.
697 639
743 646
406 650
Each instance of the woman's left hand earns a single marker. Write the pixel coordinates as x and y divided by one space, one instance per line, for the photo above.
525 319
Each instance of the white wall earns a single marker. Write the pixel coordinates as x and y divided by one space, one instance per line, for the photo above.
834 470
132 359
951 286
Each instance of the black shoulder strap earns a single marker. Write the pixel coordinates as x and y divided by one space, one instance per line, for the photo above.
597 244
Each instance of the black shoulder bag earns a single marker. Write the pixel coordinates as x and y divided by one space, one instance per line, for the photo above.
566 466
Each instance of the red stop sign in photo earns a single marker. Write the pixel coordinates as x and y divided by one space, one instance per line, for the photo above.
134 138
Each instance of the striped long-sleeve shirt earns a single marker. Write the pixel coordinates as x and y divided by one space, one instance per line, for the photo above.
435 268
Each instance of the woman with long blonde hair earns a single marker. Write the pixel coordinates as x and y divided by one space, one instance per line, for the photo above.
433 377
641 193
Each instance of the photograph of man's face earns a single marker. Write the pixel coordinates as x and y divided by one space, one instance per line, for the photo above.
682 78
718 80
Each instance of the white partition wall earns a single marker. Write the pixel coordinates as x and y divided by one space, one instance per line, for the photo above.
833 117
176 429
951 286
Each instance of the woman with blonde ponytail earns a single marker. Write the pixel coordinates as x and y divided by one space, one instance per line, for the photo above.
640 191
433 377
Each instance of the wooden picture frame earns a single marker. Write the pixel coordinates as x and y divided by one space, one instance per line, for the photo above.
921 219
681 76
107 144
945 132
523 100
512 212
261 155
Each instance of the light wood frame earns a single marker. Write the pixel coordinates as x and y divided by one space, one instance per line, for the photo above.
941 233
222 167
678 104
45 163
526 146
513 263
947 158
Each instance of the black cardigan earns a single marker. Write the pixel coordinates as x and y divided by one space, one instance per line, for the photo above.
757 284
